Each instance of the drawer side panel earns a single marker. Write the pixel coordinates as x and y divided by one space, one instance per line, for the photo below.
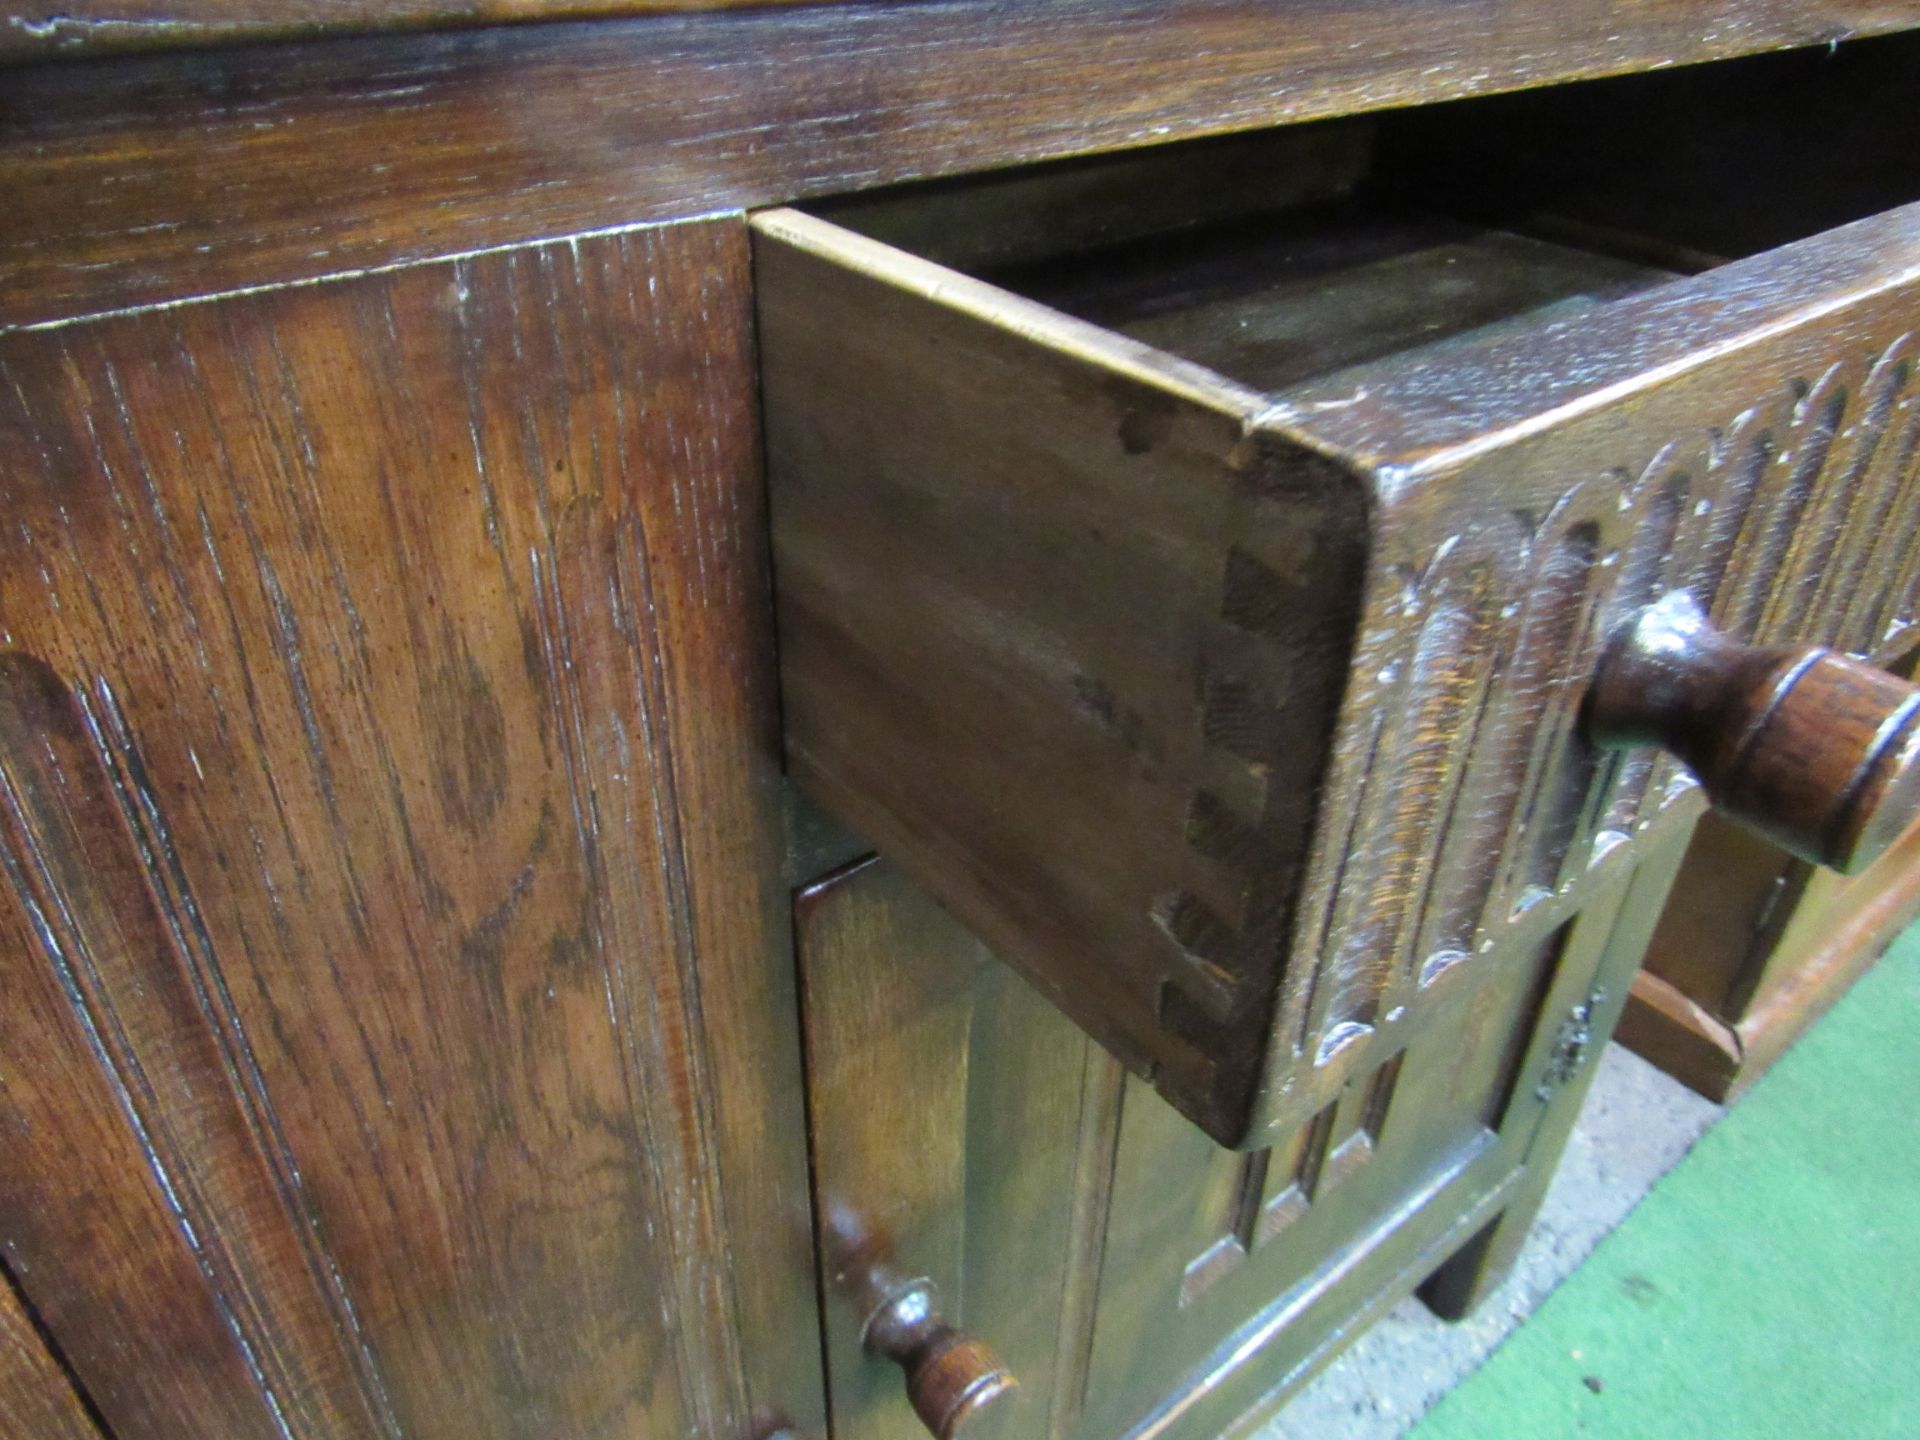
1061 634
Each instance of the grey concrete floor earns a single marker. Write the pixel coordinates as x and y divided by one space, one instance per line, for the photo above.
1636 1125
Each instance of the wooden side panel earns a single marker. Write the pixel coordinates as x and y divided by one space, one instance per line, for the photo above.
386 746
37 1400
141 1208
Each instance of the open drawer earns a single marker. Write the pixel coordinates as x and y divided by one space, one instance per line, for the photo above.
1193 567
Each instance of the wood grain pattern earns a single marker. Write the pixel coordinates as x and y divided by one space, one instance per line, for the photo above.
388 757
144 180
1119 686
150 1210
37 1399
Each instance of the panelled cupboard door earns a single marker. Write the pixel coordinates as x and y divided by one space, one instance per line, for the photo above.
1137 1279
392 1045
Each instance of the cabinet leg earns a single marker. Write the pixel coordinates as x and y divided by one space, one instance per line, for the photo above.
1478 1267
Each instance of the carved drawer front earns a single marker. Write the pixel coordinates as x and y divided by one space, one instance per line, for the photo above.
1194 568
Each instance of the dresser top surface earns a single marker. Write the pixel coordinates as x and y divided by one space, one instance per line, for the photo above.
155 177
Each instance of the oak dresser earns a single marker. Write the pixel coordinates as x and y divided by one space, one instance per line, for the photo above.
954 716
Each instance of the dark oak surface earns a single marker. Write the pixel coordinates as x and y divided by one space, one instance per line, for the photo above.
120 1124
37 1400
1742 434
139 180
91 27
400 1037
399 1028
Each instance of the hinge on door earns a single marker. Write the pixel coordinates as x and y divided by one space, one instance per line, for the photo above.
1571 1042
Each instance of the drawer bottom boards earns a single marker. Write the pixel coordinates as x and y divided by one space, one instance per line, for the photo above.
1137 1279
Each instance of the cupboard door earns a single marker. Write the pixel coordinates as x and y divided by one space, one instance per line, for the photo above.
963 1133
1134 1277
397 1035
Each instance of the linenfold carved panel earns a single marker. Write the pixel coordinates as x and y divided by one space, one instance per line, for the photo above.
1461 797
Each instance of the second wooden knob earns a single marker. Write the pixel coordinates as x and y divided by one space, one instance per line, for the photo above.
1816 750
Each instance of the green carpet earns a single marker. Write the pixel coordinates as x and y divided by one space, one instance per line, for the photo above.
1769 1286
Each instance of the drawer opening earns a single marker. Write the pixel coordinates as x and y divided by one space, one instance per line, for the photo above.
1282 257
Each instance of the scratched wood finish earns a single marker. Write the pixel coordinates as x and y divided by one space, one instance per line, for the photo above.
392 932
91 27
137 1211
149 179
37 1400
1137 1279
1298 671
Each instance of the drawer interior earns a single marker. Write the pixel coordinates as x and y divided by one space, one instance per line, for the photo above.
1279 258
1281 299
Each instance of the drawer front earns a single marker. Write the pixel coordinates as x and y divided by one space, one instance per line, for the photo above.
1249 722
1748 437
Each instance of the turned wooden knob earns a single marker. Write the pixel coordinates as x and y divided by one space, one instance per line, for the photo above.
954 1382
951 1378
1817 751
